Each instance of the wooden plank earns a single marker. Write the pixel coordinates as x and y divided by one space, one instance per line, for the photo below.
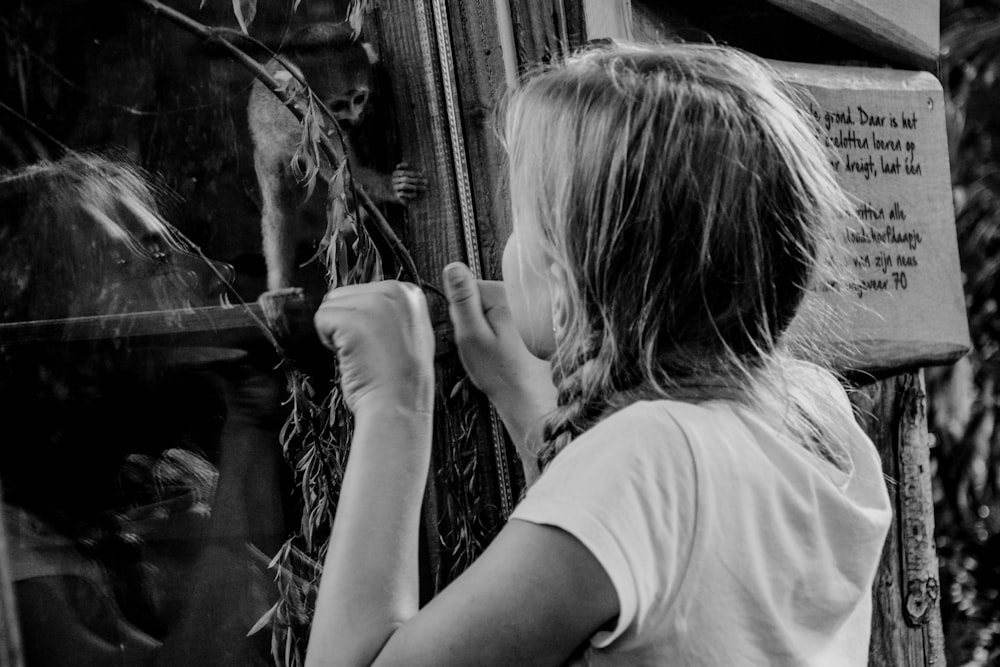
546 29
481 36
405 40
887 131
216 327
907 31
470 52
481 79
439 96
220 320
906 618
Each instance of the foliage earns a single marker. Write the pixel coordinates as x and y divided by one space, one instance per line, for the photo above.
316 436
462 526
315 442
964 398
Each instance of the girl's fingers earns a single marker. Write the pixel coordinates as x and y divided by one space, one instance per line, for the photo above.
465 306
339 312
368 307
382 336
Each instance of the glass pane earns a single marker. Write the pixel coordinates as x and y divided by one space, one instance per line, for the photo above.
141 473
144 486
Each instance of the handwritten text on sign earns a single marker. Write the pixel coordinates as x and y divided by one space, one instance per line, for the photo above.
889 151
874 146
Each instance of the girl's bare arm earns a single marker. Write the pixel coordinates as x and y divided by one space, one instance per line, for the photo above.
533 597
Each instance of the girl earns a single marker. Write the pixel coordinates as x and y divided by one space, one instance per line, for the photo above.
703 500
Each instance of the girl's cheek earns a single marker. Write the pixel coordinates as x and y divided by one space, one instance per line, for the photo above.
526 285
535 319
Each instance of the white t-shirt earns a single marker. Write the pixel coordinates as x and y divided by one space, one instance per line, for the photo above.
727 543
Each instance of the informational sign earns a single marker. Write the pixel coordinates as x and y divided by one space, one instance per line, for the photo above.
905 305
905 30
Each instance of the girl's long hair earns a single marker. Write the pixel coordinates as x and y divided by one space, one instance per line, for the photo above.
687 196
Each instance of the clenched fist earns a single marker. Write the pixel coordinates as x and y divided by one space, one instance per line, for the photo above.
382 335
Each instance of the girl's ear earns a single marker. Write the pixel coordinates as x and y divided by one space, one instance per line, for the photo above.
562 309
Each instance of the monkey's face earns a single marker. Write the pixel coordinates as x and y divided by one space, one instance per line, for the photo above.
348 108
343 80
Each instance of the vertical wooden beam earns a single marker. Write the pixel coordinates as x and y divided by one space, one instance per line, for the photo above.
476 32
408 50
407 44
608 18
484 67
544 29
906 617
447 71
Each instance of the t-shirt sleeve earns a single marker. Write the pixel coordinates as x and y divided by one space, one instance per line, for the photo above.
626 490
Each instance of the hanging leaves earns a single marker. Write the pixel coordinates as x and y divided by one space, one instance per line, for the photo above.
463 532
315 441
356 14
245 10
307 159
340 224
317 433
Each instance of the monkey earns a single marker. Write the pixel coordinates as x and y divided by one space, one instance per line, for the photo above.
339 70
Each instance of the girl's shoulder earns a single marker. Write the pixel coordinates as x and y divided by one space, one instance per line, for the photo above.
640 424
722 433
644 436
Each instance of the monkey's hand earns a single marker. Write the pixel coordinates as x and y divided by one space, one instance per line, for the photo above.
407 184
274 306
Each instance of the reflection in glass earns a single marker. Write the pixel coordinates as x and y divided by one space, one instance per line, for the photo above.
139 474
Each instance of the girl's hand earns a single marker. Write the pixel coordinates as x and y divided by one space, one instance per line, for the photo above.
518 383
382 335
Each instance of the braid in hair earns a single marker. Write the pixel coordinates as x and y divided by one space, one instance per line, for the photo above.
580 404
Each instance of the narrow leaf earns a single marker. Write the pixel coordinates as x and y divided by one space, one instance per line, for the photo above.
264 620
245 10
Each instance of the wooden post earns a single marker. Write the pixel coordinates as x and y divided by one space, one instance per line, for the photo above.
906 617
